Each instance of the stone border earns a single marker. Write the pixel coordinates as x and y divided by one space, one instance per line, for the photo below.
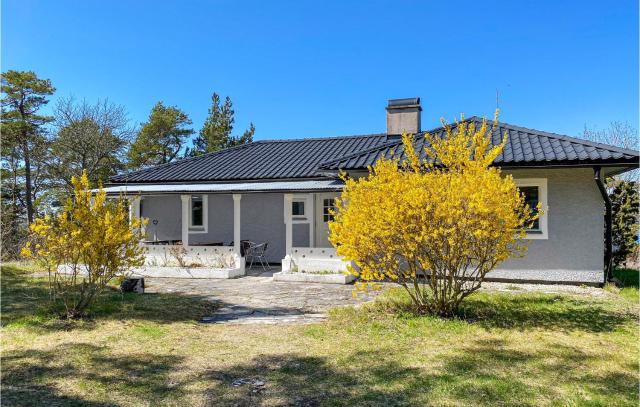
186 272
301 277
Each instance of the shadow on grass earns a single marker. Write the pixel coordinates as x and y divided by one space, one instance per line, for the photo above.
27 376
555 312
628 277
482 373
25 302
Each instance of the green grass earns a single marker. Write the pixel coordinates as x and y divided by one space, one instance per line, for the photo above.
630 282
515 348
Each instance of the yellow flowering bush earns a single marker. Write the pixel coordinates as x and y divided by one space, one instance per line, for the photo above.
85 246
435 226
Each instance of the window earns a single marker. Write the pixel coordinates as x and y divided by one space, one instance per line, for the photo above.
532 198
198 213
535 192
328 205
297 209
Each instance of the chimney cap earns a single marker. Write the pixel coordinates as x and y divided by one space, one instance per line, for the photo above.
406 102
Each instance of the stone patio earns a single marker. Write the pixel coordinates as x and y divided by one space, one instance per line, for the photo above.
256 298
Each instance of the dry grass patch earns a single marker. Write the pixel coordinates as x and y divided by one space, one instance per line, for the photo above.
510 348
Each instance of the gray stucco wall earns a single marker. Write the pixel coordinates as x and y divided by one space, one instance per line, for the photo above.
220 219
262 219
574 248
573 251
167 210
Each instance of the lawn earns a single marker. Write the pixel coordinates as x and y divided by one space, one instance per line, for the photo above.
512 348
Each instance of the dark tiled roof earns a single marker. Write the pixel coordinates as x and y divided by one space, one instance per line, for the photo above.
525 147
260 160
311 158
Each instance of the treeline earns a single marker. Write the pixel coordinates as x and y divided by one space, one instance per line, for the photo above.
40 153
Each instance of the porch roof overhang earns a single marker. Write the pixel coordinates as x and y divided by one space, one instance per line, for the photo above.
227 188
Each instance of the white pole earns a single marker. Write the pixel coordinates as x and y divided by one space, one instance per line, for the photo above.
236 224
186 199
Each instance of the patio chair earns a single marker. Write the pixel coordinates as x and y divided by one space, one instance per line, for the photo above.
257 252
244 247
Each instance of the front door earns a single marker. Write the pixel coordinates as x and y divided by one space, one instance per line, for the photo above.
324 202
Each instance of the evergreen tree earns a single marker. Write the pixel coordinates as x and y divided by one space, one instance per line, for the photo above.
161 138
216 133
625 205
23 94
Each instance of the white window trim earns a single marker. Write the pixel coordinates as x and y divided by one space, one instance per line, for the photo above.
205 216
543 221
307 207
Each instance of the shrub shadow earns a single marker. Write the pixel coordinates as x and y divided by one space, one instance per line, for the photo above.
27 375
554 312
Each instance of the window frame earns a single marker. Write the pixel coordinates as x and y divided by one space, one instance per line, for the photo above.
305 208
308 209
333 206
205 214
543 221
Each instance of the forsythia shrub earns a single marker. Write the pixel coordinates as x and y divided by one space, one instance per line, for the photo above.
85 246
437 226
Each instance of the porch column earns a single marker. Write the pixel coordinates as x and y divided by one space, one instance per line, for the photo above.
288 201
312 219
286 262
185 219
236 224
134 208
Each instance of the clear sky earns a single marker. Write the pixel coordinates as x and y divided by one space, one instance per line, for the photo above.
325 68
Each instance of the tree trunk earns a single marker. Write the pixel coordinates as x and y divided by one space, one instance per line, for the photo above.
27 179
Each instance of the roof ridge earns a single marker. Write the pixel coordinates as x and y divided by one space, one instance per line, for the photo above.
321 138
498 124
394 142
572 139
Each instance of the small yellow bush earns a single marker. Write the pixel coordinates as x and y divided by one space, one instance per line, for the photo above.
436 226
92 239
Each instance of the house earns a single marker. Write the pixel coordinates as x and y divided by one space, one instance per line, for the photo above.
281 192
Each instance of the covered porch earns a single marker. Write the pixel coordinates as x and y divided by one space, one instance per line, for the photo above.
208 226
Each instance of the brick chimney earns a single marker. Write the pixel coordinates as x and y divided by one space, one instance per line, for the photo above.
403 116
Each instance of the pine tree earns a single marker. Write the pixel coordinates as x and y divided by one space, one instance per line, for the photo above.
216 133
625 205
161 138
22 127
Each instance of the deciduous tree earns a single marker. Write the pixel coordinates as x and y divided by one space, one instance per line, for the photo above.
436 227
90 138
621 134
93 239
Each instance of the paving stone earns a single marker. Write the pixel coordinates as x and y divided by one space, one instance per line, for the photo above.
260 300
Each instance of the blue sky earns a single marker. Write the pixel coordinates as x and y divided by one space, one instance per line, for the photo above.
325 68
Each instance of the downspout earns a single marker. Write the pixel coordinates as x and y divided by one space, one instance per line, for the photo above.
608 245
